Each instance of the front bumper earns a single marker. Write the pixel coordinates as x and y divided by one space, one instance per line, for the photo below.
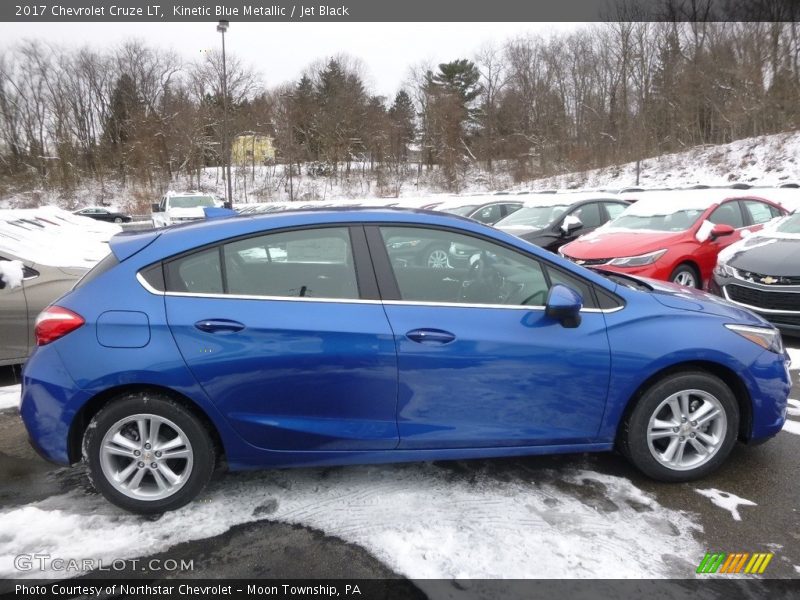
759 299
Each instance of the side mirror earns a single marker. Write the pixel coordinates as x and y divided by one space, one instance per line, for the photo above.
571 224
155 207
564 305
721 230
228 205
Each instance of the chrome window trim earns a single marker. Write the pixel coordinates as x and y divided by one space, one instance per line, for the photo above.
770 311
156 292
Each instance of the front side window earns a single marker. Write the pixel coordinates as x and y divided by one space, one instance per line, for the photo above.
589 214
477 271
614 209
727 214
488 214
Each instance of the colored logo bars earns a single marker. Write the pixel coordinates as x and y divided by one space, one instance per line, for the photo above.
720 562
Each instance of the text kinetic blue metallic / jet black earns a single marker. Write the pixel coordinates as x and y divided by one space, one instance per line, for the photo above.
345 336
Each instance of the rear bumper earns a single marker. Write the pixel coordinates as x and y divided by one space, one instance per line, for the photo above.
49 396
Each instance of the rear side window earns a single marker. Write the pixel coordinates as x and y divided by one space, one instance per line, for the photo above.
307 263
760 212
108 263
614 209
198 273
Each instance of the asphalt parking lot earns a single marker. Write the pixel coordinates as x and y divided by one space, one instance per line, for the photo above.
560 516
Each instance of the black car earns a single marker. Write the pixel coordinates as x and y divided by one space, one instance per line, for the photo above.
103 214
479 209
552 220
762 273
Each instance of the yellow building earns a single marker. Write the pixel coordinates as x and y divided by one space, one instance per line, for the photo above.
251 149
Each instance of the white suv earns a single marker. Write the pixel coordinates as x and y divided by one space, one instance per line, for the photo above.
180 207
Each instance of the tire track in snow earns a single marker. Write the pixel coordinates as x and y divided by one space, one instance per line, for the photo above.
421 520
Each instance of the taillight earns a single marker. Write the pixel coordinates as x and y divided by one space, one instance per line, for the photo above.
55 322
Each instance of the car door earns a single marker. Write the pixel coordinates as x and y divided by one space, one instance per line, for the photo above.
480 364
730 213
13 322
293 348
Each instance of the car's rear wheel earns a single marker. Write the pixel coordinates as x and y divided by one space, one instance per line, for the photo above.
682 428
117 219
148 454
686 275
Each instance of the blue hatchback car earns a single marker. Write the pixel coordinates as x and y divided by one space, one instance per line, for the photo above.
315 338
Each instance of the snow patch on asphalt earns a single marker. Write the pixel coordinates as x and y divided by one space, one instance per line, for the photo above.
9 396
453 520
794 354
727 501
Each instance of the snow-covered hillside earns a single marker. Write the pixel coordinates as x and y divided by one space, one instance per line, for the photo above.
767 160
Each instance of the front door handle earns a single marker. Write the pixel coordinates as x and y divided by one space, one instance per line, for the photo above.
219 326
430 336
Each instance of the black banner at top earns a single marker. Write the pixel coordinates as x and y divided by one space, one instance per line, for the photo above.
400 10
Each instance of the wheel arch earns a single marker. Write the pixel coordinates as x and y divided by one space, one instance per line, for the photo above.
727 375
84 416
690 262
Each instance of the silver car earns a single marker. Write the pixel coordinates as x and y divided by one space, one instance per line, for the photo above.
20 305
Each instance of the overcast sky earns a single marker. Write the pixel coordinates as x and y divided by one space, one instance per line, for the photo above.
280 51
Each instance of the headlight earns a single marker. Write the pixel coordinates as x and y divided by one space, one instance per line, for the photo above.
723 270
638 261
767 338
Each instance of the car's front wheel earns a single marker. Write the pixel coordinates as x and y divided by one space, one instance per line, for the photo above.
686 275
682 428
148 454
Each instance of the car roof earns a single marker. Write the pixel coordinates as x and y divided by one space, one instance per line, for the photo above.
668 202
565 198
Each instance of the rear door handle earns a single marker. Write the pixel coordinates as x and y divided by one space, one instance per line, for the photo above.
219 326
430 336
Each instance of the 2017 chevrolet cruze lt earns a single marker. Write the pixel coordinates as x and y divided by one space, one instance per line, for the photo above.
299 339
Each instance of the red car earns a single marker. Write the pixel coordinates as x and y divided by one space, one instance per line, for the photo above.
674 236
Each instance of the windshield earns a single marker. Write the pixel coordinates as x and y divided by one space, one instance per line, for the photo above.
461 211
537 217
190 201
790 225
680 220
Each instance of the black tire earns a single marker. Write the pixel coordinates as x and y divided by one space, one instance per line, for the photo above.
686 270
632 439
159 405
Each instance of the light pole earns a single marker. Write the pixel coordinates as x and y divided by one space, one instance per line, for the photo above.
222 27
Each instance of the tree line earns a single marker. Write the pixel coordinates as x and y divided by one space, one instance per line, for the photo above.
533 106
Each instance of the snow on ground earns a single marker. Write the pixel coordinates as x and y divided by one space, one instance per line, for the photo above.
764 160
792 424
422 520
727 501
794 354
9 396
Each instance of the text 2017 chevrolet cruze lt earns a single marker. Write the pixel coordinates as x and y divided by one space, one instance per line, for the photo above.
298 339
